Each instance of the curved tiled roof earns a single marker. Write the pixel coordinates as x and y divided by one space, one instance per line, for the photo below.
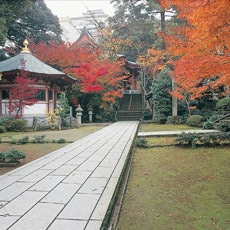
32 64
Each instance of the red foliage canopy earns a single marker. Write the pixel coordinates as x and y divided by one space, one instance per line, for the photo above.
23 92
94 73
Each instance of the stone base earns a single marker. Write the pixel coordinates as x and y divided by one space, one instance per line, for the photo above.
10 164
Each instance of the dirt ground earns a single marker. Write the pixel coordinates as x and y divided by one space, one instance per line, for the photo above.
34 151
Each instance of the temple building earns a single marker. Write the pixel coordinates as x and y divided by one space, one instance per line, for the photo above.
49 82
132 104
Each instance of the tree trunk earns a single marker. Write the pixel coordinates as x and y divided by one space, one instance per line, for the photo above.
162 13
174 101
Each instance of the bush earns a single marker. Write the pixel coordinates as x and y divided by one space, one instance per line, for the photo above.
11 156
20 141
2 129
223 104
209 139
219 120
175 120
208 125
4 121
98 118
223 126
39 139
13 141
195 120
12 124
186 139
161 120
61 140
23 140
148 115
206 114
108 115
141 142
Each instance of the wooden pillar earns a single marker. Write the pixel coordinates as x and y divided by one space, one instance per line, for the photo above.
0 101
47 98
134 82
55 90
53 98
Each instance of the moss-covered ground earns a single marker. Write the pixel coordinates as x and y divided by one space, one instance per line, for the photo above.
176 188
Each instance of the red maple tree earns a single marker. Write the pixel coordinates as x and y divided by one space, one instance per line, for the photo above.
94 73
23 92
101 76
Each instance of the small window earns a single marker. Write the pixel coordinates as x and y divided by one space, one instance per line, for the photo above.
5 94
41 95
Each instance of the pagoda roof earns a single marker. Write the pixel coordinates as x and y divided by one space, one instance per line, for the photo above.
32 64
26 61
130 64
86 38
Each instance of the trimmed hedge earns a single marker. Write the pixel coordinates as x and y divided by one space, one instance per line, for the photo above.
208 139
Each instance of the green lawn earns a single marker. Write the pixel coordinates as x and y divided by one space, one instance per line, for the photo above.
175 188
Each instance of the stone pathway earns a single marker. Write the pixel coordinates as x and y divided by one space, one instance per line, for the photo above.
70 188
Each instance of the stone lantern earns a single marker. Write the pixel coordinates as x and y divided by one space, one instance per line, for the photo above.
90 112
78 115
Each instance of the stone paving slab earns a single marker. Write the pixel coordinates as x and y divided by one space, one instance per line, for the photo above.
174 133
70 188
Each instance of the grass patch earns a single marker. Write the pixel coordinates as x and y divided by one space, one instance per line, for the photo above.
160 141
177 188
69 135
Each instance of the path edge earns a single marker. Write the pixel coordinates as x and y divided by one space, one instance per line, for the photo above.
113 212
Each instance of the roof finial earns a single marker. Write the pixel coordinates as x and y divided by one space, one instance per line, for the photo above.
25 49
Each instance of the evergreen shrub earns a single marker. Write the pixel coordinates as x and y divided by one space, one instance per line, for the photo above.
208 125
162 100
175 120
11 156
195 120
223 104
141 142
223 125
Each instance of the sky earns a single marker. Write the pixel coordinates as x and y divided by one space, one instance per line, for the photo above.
75 8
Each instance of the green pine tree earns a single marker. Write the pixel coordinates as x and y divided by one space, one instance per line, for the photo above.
162 100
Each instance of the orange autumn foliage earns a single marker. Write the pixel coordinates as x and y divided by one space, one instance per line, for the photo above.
154 60
110 43
202 45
